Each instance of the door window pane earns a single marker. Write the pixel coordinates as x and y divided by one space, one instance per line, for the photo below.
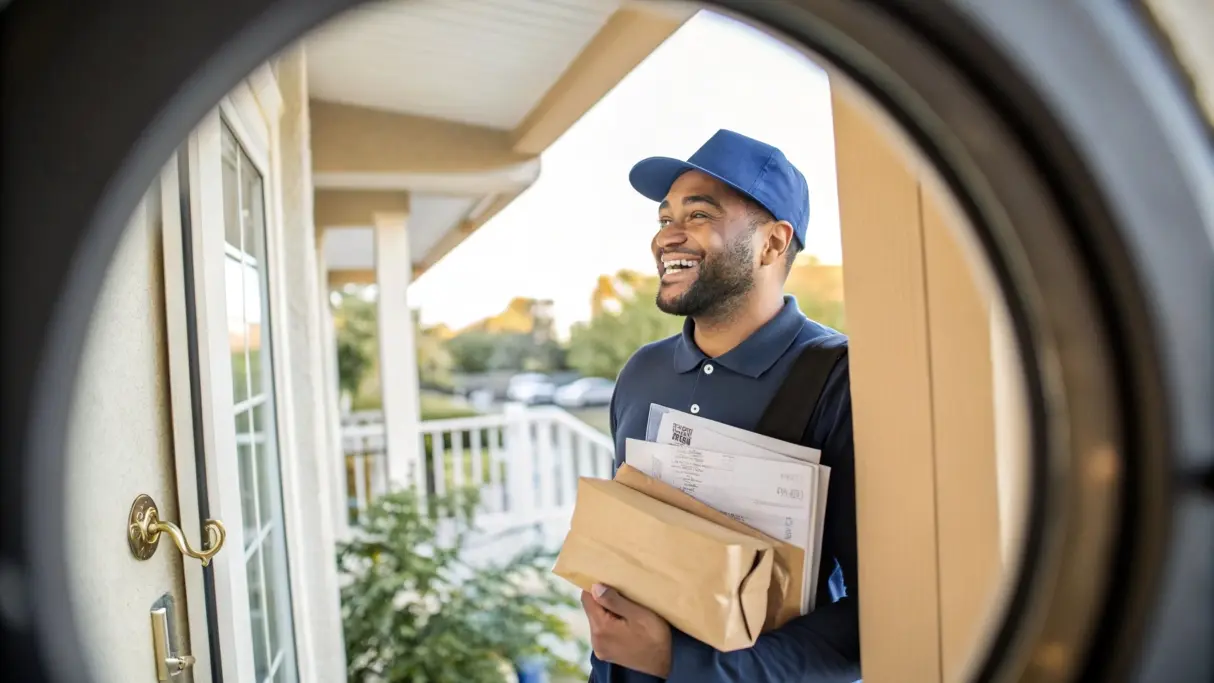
252 211
248 498
257 614
231 193
256 432
273 616
238 341
253 310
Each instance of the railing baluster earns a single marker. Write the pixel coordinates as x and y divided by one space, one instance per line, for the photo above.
419 471
378 474
547 464
457 458
584 465
565 466
360 482
437 463
602 462
477 453
494 502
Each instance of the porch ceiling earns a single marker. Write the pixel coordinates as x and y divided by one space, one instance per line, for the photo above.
452 101
349 240
486 62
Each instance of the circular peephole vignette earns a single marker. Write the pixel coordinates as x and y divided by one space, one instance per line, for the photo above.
89 119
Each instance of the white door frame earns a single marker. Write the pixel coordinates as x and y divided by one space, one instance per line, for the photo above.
182 406
251 112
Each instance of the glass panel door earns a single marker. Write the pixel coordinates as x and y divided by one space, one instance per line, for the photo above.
249 329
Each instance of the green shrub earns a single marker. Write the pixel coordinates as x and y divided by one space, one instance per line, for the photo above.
414 612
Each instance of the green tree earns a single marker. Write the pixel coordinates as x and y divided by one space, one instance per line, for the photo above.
521 337
818 288
476 351
472 351
627 319
413 610
355 319
434 360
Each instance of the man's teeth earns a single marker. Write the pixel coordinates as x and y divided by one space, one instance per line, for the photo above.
677 265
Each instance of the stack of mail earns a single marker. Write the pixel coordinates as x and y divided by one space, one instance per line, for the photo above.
772 486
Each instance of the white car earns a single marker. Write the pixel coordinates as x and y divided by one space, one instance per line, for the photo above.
530 388
588 391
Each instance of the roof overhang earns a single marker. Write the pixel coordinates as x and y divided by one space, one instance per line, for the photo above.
462 136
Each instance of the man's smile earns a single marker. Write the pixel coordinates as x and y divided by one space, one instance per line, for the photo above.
674 269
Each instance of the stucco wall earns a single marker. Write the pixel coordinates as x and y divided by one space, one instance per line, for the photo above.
120 445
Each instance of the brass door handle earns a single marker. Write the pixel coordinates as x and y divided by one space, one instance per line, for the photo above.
144 528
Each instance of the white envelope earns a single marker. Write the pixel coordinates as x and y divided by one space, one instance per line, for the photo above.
667 425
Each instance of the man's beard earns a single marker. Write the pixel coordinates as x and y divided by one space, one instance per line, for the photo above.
719 287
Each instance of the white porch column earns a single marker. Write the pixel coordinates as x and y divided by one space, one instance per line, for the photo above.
397 347
332 391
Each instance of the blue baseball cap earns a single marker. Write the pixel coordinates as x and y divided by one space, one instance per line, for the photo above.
755 169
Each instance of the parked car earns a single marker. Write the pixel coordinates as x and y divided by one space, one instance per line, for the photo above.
481 399
585 392
530 388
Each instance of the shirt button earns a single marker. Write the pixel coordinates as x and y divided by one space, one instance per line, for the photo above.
695 408
708 369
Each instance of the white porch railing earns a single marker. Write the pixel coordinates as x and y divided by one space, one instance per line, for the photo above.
524 461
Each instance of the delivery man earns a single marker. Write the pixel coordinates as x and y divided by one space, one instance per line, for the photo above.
731 219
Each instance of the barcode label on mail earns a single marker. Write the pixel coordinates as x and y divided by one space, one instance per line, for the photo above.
682 434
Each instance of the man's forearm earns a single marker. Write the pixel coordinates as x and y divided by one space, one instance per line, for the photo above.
820 647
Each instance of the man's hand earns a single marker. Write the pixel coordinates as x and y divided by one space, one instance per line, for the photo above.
624 633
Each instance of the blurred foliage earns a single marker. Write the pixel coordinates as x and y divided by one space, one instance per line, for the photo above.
354 318
818 288
356 322
627 318
520 338
413 611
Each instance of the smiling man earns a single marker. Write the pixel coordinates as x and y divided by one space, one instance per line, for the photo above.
731 219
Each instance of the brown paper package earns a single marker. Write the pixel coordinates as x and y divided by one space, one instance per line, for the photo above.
784 594
706 580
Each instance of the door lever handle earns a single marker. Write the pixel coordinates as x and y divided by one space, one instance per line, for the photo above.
168 664
144 528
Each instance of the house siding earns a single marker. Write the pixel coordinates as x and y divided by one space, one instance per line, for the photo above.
302 324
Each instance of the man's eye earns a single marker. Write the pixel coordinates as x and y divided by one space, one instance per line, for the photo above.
698 214
663 222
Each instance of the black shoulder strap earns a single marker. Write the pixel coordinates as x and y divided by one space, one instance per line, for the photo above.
787 416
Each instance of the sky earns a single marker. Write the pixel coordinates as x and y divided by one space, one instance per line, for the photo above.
582 219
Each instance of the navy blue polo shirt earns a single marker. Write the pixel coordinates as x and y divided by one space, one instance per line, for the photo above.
735 389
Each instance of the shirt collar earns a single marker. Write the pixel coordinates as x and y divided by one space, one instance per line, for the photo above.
756 354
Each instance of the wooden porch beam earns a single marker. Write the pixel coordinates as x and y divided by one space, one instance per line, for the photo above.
348 139
628 37
355 208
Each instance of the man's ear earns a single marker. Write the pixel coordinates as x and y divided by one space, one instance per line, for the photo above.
779 239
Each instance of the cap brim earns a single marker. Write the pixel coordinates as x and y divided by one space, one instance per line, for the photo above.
653 177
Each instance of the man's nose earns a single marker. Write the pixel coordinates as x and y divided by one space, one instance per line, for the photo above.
670 235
